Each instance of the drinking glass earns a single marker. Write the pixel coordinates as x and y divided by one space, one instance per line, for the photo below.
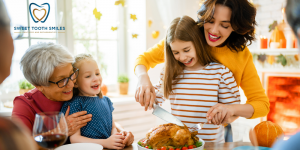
50 129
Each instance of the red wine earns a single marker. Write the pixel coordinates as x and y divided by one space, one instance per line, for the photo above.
50 140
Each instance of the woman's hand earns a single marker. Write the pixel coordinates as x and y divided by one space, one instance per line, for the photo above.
143 91
115 141
128 137
220 114
76 120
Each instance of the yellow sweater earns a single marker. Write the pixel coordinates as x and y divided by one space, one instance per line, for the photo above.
240 64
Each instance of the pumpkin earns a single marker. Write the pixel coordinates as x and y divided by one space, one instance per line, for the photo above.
278 37
266 133
104 89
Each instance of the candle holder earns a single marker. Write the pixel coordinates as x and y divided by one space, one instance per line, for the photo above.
263 42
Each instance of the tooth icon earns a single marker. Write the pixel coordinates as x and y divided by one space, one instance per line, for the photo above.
37 9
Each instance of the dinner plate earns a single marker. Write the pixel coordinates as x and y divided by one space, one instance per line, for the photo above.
81 146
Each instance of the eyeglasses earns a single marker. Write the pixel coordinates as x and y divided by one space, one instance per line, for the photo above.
63 82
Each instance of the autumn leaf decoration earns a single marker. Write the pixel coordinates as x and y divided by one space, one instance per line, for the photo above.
296 57
134 36
271 59
272 26
114 28
155 34
122 2
281 59
97 14
254 57
133 17
149 23
262 58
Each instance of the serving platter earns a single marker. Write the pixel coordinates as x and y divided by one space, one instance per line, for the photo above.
198 148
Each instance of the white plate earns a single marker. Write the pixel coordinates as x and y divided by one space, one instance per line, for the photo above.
81 146
198 148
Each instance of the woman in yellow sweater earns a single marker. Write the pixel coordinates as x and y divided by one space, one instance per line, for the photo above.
228 26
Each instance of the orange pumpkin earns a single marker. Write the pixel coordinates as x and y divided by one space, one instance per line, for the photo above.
266 133
104 89
278 37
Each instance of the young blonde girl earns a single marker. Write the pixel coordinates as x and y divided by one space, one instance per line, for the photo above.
88 97
192 80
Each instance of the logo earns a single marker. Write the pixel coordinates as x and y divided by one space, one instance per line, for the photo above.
39 13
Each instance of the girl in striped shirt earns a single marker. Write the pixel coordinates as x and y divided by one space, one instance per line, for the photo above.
193 80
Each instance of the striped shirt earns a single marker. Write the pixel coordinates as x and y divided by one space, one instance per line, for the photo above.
196 92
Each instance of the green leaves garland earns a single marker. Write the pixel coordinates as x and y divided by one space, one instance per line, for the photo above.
282 59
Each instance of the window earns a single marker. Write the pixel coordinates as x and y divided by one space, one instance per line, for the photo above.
18 13
83 34
95 36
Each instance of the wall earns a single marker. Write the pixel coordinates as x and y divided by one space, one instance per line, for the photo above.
267 12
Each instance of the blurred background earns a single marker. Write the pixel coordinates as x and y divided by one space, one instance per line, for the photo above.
115 32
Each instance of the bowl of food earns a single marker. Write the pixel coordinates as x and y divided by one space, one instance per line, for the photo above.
171 137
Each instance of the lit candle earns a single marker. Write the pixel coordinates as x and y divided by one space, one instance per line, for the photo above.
295 43
283 11
263 42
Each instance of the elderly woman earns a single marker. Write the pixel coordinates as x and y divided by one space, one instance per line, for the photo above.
49 68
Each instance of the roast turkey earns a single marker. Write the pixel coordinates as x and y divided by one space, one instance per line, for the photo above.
170 135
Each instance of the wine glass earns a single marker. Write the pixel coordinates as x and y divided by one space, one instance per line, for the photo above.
50 129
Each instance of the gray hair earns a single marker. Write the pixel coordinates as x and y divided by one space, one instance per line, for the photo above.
40 60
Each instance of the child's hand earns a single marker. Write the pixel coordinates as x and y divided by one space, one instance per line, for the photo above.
115 141
220 114
128 137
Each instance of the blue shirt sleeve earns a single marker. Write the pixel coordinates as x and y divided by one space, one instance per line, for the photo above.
75 106
291 144
110 104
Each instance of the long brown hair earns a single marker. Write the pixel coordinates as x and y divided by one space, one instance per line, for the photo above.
242 21
185 29
79 58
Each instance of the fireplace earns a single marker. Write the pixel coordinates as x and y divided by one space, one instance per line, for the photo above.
283 91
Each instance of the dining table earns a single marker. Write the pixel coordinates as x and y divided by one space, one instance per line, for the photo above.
207 146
